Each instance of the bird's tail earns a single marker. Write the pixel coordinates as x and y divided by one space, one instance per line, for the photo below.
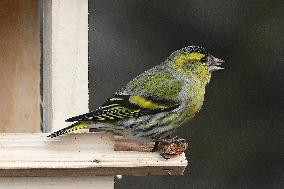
71 128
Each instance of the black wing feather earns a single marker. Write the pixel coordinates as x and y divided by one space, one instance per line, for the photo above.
119 107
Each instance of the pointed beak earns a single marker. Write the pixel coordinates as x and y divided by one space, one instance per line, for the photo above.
215 64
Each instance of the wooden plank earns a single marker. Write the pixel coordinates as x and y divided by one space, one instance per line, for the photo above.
19 66
87 182
122 144
65 64
78 154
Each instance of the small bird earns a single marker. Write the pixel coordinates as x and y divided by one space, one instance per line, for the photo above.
157 102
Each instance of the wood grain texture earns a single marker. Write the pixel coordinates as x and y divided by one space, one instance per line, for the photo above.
19 66
65 61
78 154
123 144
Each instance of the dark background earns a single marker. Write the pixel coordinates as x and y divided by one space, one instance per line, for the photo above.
236 141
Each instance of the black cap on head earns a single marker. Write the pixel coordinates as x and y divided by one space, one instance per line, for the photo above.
192 48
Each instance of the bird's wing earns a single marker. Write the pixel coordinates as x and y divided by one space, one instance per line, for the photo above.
126 106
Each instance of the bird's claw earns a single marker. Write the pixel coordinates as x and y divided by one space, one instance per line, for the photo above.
170 146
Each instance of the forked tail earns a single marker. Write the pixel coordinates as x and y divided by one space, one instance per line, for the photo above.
71 128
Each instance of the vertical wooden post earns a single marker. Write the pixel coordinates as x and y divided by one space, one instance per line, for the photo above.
65 66
19 66
65 61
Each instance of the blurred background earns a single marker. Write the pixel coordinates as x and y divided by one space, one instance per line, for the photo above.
236 141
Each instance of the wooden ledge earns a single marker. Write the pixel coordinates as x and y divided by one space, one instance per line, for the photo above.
80 154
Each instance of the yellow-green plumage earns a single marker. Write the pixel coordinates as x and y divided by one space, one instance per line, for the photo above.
156 102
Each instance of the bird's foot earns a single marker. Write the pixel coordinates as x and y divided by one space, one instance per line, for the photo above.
169 146
156 146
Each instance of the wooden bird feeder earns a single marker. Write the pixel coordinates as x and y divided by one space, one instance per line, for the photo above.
58 63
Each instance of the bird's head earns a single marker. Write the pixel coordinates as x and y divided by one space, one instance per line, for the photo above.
195 58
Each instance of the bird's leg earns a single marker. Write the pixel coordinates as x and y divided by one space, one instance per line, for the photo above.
157 142
169 146
156 146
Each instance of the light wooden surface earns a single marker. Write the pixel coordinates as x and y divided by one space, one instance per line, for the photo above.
65 63
19 66
87 182
78 155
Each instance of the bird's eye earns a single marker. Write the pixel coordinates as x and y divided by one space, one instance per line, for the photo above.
204 60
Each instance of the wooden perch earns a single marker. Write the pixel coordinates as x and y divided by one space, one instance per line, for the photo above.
122 144
80 154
